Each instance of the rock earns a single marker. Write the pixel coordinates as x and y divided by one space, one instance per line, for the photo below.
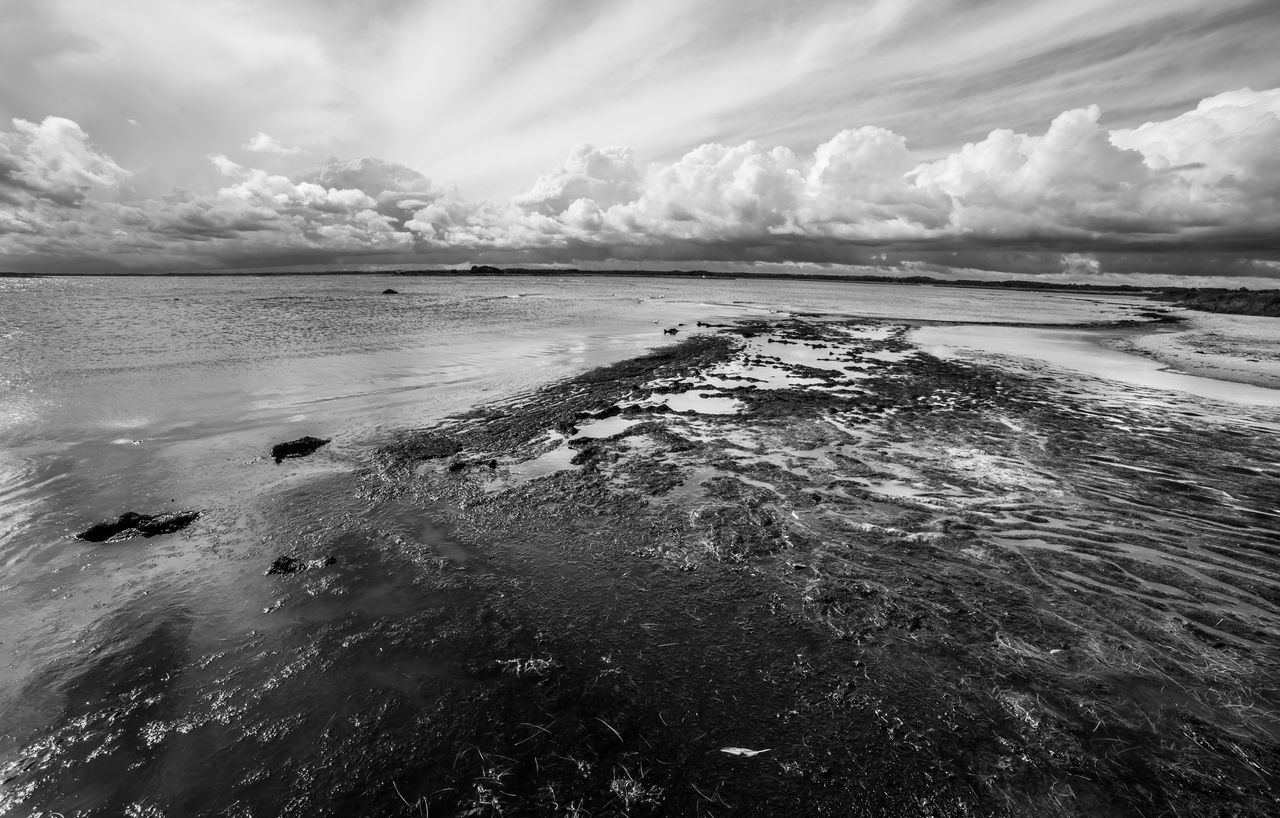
432 446
301 447
389 291
283 565
462 465
292 565
609 412
132 524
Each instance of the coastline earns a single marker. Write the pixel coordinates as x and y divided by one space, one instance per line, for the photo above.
1101 354
1237 348
557 272
873 567
766 565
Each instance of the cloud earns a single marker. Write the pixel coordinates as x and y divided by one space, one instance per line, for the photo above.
1072 182
397 191
1194 192
265 143
606 176
52 161
660 78
1233 134
718 192
374 177
1210 176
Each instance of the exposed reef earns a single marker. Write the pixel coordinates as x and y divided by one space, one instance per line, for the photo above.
291 565
132 524
926 587
301 447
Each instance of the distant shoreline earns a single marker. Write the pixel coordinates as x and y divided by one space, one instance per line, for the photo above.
529 272
1207 299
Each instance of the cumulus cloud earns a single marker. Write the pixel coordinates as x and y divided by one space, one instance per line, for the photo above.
1074 199
1210 175
1234 134
717 191
605 176
1070 182
265 143
397 191
52 161
373 176
262 212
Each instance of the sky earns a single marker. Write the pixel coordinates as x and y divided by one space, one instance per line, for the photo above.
1083 140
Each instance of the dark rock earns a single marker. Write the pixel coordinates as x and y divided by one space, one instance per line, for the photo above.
132 524
292 565
611 411
462 465
389 291
301 447
284 565
433 446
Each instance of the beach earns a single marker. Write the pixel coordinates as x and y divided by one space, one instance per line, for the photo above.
824 549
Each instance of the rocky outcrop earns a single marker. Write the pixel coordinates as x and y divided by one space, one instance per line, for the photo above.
292 565
301 447
132 524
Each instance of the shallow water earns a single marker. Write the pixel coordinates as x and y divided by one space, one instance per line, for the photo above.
163 674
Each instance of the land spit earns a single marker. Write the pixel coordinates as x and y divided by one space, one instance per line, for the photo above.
907 586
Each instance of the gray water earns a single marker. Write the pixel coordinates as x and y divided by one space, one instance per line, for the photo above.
169 675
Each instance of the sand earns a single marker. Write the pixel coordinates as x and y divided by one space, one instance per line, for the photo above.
1239 348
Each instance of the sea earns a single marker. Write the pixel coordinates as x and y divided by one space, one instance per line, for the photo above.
135 677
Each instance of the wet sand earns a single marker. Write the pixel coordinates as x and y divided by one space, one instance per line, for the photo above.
1109 355
1239 348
